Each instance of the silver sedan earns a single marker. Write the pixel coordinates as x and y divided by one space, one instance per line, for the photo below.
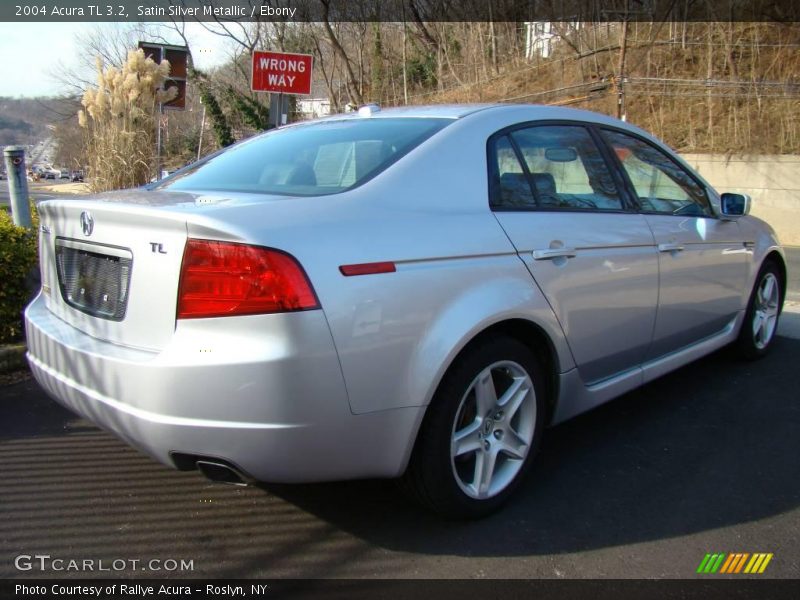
411 293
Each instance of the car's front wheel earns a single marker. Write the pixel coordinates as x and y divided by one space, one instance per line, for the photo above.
481 431
763 311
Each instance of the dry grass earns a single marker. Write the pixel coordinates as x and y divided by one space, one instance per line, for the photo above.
702 87
119 119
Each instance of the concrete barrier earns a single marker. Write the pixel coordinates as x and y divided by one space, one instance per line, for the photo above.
772 181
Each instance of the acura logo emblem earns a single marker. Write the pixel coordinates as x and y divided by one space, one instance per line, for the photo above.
87 222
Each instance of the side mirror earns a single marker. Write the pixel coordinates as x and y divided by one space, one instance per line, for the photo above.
735 205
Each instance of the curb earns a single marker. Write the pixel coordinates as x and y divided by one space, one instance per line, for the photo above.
12 357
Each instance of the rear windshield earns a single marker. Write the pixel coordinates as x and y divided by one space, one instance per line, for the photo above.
320 158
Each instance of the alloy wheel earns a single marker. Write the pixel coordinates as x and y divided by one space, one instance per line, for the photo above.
493 429
765 314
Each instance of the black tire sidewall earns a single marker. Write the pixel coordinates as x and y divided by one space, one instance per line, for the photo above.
746 341
433 450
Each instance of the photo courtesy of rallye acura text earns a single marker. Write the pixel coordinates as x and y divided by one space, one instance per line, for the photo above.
411 293
139 590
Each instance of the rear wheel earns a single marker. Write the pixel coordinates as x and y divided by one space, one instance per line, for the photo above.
481 431
763 311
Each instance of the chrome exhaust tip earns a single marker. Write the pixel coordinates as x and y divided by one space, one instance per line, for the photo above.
220 473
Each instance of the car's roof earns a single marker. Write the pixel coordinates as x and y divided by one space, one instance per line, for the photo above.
441 111
445 111
458 111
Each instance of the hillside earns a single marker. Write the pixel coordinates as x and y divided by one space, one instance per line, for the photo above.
709 87
727 87
25 120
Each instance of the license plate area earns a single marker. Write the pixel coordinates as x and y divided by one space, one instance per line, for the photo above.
94 278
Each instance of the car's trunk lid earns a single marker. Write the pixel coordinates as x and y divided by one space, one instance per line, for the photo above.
112 269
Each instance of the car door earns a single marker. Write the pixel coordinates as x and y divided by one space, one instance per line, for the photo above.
702 259
593 257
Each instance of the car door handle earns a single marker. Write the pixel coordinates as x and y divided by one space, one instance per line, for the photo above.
670 248
551 253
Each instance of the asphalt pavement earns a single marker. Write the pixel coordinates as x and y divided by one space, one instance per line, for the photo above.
703 460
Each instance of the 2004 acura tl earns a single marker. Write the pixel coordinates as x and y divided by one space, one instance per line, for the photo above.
412 292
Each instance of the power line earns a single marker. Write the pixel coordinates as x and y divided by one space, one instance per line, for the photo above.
715 44
715 95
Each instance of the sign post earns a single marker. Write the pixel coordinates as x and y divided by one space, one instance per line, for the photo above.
178 57
281 73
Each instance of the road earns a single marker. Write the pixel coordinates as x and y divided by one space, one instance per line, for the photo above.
43 152
702 460
793 269
35 190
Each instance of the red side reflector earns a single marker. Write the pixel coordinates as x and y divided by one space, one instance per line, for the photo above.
367 268
224 279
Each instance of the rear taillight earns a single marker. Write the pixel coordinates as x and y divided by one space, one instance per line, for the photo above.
224 279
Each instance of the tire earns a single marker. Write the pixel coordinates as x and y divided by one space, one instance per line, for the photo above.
480 432
763 311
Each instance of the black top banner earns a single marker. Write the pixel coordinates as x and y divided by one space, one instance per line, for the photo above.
785 11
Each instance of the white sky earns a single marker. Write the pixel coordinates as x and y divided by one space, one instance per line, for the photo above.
31 52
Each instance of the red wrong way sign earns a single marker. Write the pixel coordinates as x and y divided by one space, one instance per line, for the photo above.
282 72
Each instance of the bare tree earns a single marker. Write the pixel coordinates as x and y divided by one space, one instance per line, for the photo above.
111 42
352 84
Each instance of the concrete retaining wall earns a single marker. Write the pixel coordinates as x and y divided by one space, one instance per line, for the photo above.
772 181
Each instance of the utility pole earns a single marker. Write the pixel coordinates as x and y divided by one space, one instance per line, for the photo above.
18 186
405 59
202 130
158 140
621 67
493 40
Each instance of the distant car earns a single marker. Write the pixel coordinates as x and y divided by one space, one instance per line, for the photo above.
64 174
411 293
49 175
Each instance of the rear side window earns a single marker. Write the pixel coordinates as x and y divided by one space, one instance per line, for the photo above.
551 167
309 160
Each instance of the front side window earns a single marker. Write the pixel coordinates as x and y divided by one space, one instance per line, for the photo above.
661 185
320 158
551 167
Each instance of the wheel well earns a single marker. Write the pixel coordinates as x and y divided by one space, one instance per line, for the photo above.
776 258
537 341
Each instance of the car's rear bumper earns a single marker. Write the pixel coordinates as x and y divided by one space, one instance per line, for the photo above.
264 393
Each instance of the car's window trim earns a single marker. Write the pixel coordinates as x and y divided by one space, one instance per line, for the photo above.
629 198
493 169
629 184
523 163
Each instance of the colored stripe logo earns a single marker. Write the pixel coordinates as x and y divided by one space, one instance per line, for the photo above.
737 562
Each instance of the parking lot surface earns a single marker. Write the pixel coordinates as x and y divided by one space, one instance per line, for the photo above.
702 460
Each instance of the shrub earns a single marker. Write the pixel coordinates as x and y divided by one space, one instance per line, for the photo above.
120 120
18 257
